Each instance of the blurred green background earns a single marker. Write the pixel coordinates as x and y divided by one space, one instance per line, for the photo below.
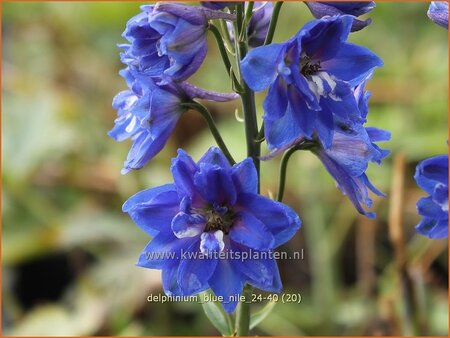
68 252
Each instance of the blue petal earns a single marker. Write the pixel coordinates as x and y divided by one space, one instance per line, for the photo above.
153 209
440 196
215 184
169 281
433 228
279 219
183 71
302 85
428 208
183 169
325 127
304 117
215 156
211 242
431 171
352 151
245 177
124 127
275 103
322 41
185 225
353 187
216 5
164 251
365 180
251 232
195 271
378 135
164 109
282 133
342 102
183 42
322 8
260 66
261 271
146 146
228 283
352 64
355 8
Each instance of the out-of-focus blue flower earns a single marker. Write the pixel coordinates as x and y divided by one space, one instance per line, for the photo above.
148 113
356 8
211 229
216 4
438 12
352 149
259 23
311 79
432 176
168 39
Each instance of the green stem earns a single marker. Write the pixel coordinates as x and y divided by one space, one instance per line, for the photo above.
249 108
224 54
212 126
239 18
253 148
273 22
283 170
260 137
226 37
243 313
248 16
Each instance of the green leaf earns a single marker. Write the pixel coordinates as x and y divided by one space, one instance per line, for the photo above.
260 315
217 315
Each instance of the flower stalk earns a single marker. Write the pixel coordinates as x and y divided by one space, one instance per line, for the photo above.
273 22
212 127
283 170
243 313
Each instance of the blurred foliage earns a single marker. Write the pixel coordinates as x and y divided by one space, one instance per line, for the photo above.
68 252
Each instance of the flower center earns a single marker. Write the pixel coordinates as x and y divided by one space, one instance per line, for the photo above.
307 67
219 218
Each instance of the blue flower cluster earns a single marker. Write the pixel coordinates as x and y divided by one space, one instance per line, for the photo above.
432 176
316 101
167 44
315 82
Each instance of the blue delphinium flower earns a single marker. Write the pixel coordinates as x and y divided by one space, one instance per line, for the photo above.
356 8
206 222
148 113
311 79
352 149
438 12
168 39
432 176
